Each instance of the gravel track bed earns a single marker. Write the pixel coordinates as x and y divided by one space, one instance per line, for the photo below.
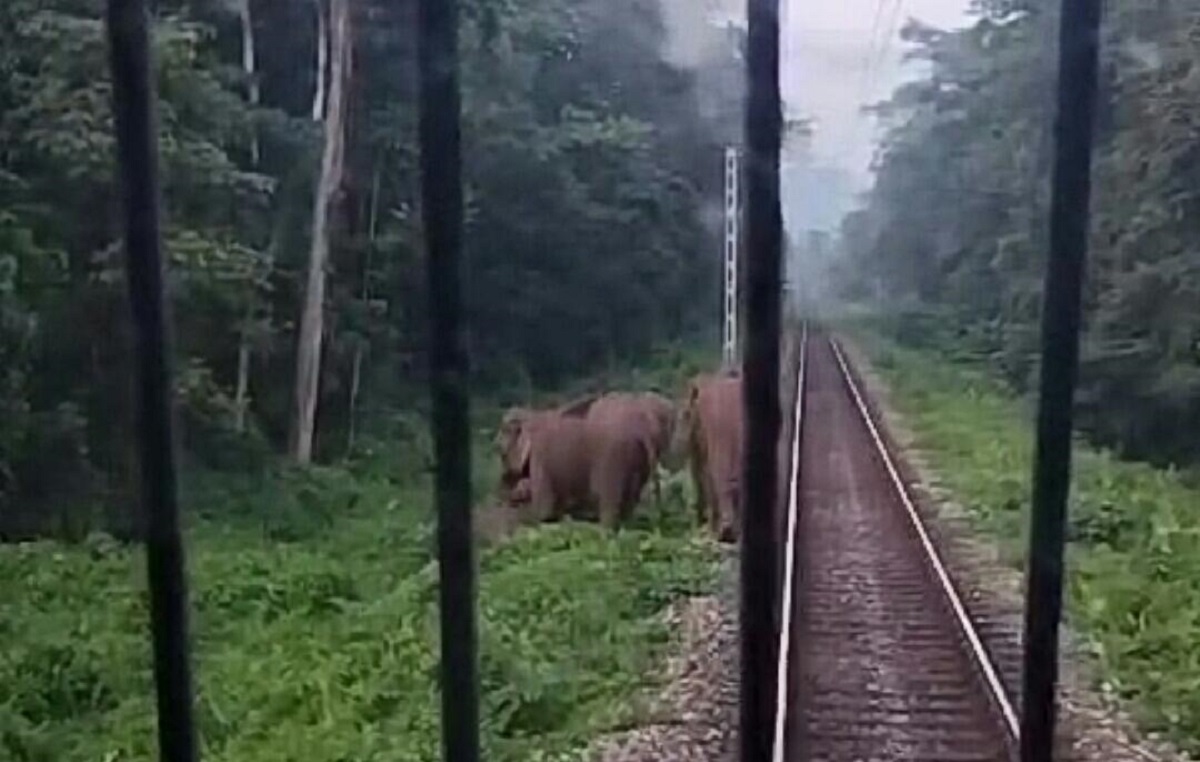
693 717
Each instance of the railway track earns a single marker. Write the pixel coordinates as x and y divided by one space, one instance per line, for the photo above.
884 660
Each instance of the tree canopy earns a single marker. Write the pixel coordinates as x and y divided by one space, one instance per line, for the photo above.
957 219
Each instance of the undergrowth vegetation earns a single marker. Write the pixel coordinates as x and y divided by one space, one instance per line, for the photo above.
1134 531
314 594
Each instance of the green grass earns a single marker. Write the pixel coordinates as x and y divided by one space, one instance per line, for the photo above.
315 624
1134 552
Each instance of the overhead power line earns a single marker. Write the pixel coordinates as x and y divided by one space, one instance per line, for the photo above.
868 59
892 30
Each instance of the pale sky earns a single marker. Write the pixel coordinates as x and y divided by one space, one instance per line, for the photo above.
826 47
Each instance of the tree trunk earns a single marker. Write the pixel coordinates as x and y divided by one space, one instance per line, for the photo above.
355 385
318 104
364 295
250 69
308 350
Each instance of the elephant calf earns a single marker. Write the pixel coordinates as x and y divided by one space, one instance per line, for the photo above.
579 454
711 425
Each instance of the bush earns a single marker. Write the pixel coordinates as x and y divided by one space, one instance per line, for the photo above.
324 647
315 629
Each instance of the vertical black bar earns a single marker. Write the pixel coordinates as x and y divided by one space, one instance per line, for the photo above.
442 201
1079 42
760 380
137 153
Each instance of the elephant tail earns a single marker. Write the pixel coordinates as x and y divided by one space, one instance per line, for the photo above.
648 458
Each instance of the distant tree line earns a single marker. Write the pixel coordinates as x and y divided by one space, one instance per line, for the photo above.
956 224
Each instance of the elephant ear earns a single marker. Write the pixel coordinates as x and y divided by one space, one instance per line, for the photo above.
512 419
512 440
514 416
524 451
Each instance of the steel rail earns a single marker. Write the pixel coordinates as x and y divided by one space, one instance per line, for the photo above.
789 569
979 653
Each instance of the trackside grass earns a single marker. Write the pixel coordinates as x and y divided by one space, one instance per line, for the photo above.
315 624
1134 552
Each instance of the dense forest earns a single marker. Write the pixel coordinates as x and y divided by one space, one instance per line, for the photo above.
593 137
955 228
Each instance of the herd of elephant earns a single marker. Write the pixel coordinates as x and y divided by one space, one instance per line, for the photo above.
596 455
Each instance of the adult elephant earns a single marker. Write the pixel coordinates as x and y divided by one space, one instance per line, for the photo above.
712 431
575 456
650 415
514 447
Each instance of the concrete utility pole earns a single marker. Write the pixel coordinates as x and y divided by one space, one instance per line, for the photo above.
730 355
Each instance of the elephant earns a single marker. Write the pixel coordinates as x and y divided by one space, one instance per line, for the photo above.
663 414
712 430
575 456
514 457
652 416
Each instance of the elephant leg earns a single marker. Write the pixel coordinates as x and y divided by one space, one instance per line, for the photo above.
727 521
540 511
636 486
606 495
699 482
610 513
714 503
543 503
615 497
654 477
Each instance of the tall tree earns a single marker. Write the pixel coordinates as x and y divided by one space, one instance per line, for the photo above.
250 70
312 324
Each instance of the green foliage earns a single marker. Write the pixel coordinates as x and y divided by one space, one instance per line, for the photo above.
592 166
324 644
209 427
1134 550
957 217
314 593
